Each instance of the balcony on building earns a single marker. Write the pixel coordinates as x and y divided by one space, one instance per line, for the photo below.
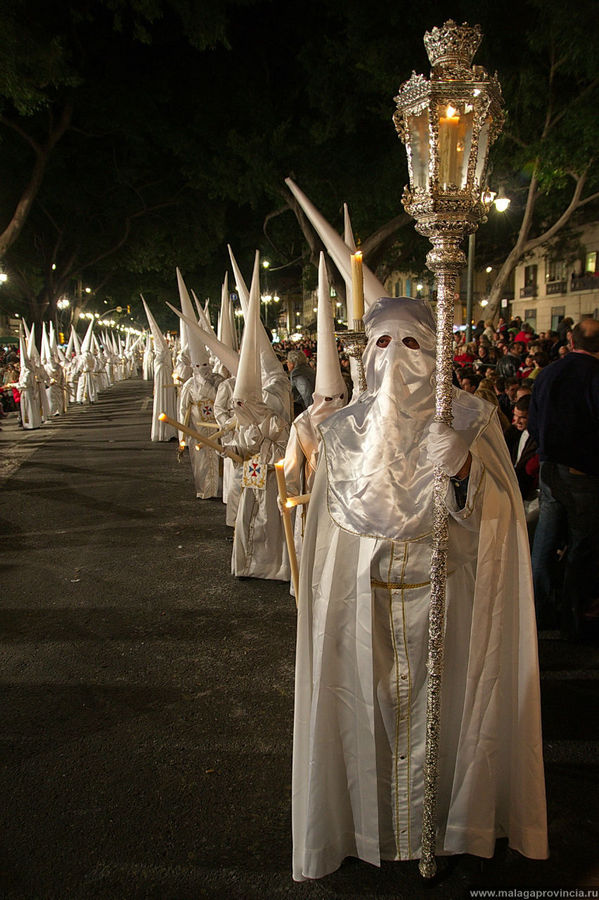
556 287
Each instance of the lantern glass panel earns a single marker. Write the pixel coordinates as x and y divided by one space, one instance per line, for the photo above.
483 150
420 148
455 141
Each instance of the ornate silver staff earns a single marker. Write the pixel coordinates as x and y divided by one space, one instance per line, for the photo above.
447 124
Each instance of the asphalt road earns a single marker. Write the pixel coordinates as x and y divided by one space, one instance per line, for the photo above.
146 695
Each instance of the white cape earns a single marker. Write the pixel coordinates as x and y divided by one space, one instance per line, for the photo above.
361 683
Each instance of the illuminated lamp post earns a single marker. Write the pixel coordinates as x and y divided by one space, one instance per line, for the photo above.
448 123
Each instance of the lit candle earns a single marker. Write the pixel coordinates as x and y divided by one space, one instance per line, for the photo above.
449 132
357 280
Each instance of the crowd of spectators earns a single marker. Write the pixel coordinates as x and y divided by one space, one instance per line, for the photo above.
501 364
9 376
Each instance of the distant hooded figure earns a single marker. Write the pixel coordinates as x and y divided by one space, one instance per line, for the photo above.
261 409
196 406
361 676
165 398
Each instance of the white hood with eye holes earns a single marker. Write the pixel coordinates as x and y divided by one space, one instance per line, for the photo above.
380 482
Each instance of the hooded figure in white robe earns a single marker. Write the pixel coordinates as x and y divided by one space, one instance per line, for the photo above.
262 429
361 677
330 394
31 410
165 396
86 368
196 406
54 374
228 362
71 368
148 359
42 380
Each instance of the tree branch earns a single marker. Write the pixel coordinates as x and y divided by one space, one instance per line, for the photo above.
19 217
563 219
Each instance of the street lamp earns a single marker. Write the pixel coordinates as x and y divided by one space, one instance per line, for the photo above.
500 203
448 123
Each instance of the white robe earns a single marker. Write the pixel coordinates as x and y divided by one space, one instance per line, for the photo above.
86 385
165 396
31 411
259 548
196 406
359 727
56 390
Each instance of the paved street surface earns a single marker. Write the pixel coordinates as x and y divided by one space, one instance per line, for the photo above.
146 697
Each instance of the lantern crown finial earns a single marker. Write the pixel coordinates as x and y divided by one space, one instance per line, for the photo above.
452 46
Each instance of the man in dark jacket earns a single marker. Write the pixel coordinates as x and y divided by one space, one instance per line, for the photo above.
303 379
564 421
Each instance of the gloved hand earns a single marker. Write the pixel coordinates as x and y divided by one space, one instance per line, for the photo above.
445 448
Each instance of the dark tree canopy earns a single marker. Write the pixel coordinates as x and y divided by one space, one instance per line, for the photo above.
158 130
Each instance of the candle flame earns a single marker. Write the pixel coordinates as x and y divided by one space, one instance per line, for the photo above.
162 417
289 504
451 112
280 464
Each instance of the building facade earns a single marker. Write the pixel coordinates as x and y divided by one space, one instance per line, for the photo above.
548 288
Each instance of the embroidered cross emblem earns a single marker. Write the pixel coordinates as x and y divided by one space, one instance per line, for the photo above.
255 470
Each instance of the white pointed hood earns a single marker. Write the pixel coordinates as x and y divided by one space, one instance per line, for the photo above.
329 380
45 354
203 319
186 309
32 350
86 345
348 237
24 361
76 341
228 357
55 352
195 344
159 341
271 364
248 384
224 294
348 232
336 246
228 334
242 288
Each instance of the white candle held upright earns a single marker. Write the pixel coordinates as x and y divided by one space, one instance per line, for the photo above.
357 277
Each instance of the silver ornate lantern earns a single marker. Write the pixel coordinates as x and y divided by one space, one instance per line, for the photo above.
448 124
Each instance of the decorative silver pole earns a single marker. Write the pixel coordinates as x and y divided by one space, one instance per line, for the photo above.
447 124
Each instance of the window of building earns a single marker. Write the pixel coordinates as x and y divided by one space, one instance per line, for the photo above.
530 316
408 287
397 288
591 262
530 274
557 314
555 270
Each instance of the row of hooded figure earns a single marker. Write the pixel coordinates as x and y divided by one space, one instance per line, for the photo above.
365 585
52 378
243 401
